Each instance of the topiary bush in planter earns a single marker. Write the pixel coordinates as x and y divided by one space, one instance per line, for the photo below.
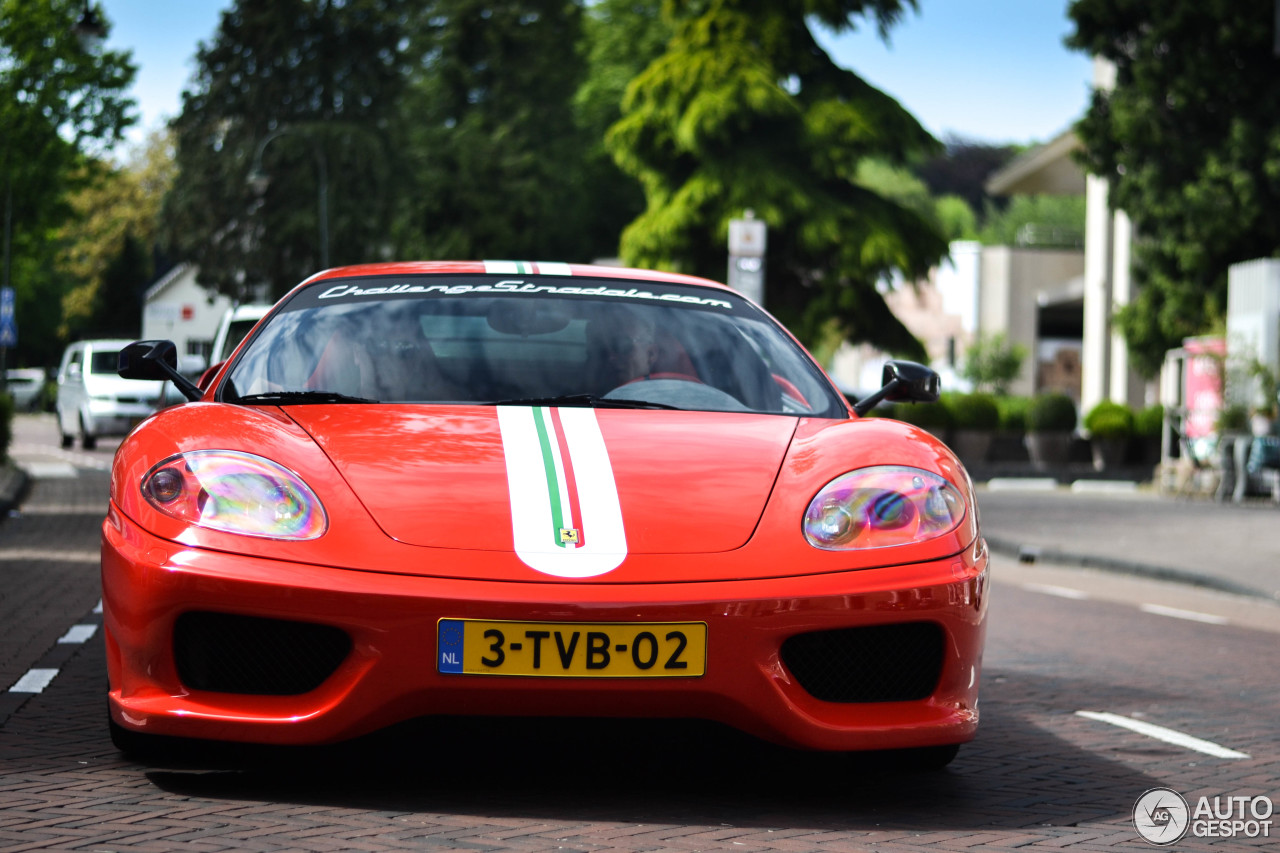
1051 420
1109 425
937 417
975 418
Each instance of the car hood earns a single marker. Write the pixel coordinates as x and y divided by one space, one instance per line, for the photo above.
546 481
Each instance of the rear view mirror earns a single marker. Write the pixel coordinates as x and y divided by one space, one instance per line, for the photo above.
512 317
155 360
903 382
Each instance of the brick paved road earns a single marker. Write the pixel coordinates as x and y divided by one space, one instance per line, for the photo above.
1038 776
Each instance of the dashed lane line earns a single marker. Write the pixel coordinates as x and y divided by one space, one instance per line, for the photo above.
78 634
1059 591
1154 609
50 555
1189 615
35 680
1161 733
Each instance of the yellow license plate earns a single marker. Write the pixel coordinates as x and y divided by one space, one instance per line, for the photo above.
572 649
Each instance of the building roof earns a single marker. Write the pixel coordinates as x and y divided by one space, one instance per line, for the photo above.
1048 169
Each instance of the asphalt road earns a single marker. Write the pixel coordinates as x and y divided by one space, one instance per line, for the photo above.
1039 775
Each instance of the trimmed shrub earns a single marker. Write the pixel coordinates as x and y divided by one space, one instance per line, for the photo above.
1013 413
1148 422
1109 419
974 411
1052 412
936 416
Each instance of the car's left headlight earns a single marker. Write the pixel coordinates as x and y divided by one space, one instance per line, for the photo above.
237 493
882 506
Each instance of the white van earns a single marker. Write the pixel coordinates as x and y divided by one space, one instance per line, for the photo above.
93 400
236 323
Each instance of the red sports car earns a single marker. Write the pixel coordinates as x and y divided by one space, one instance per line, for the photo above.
541 489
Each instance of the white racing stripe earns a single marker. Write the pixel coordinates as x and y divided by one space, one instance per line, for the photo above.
603 544
1172 736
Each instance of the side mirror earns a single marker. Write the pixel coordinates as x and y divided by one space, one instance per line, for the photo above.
155 360
903 382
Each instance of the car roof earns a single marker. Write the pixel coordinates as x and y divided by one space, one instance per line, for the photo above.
512 268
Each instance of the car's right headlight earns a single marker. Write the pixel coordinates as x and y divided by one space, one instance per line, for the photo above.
882 506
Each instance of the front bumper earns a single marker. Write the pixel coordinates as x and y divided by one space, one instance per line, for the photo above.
390 674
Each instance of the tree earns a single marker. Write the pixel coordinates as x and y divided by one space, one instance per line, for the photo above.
114 229
1187 143
992 363
745 111
621 38
1042 221
495 152
962 169
309 93
59 100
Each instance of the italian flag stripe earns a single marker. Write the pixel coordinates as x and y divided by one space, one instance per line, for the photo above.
527 268
561 488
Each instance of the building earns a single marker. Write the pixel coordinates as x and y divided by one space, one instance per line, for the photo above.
178 309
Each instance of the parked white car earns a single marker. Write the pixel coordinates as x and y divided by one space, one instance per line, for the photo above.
25 385
93 400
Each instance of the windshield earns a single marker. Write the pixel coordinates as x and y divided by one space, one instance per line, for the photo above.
104 362
490 340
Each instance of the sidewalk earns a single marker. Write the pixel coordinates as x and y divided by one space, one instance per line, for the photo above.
1227 547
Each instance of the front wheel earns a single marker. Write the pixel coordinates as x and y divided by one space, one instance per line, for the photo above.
87 440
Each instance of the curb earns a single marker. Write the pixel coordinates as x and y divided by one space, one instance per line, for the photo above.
1039 553
14 483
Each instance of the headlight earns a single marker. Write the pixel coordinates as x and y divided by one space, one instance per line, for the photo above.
882 506
236 493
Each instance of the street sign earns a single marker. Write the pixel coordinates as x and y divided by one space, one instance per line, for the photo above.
748 238
8 325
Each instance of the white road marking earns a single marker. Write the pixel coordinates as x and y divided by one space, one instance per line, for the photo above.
35 681
78 634
97 608
1191 615
1161 733
51 470
1059 591
50 554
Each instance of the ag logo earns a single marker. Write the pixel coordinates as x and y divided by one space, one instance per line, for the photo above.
1161 816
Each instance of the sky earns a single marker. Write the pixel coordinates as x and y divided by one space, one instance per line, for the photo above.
984 70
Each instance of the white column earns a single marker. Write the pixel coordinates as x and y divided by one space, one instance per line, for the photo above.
1095 363
1121 295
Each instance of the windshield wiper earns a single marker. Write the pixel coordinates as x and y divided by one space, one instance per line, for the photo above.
594 401
291 398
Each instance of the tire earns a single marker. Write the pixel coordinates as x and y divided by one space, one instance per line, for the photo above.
87 441
67 440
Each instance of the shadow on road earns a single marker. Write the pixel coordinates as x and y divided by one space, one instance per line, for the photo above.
1016 774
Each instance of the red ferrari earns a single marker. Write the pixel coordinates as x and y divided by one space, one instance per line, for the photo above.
542 489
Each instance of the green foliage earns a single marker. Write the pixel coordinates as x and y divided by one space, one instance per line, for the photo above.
6 424
319 85
1109 419
1013 413
1036 221
1148 422
963 169
932 416
497 154
59 103
993 362
957 218
745 111
977 411
1180 142
1052 412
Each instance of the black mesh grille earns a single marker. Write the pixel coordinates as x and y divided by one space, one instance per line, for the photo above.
247 654
875 663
